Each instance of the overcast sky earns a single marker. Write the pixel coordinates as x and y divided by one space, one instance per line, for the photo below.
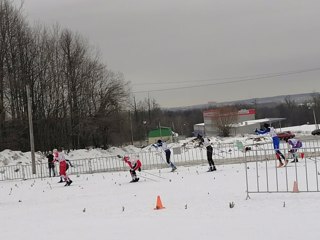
226 45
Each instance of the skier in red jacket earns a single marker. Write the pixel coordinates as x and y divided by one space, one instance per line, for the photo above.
134 164
59 157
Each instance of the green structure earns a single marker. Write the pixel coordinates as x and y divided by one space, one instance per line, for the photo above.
163 133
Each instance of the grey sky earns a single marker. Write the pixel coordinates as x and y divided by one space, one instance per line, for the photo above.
188 41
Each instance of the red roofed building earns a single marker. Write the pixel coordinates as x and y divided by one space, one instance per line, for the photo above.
241 116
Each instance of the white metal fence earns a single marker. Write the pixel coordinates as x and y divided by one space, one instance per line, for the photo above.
263 175
258 157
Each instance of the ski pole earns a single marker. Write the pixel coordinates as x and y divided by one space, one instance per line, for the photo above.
160 155
154 180
153 174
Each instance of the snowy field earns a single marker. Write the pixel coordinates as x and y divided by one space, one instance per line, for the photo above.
197 206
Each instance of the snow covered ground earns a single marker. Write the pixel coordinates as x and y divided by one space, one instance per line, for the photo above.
197 205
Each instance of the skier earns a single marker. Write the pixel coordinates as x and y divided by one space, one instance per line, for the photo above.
276 142
206 143
163 145
59 157
294 145
134 164
51 164
69 164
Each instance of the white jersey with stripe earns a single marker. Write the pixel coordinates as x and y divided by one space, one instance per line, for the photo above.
272 132
163 146
206 142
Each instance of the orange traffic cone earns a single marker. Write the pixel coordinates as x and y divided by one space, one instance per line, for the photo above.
295 187
159 204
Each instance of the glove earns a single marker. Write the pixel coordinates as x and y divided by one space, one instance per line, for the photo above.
119 156
256 130
139 169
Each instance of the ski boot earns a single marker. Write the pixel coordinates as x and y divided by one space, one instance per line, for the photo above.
173 167
68 183
134 180
280 165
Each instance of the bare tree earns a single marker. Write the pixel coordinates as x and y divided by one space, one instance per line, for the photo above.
224 118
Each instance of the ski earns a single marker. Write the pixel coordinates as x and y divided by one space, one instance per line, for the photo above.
135 180
148 178
153 174
174 169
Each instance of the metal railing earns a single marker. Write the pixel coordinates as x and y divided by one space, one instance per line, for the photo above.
263 175
254 156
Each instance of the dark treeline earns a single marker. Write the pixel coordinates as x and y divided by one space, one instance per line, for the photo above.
75 98
147 115
293 112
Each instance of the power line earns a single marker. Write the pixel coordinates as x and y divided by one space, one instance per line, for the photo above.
242 79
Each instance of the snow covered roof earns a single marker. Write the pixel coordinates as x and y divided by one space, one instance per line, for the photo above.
258 121
199 124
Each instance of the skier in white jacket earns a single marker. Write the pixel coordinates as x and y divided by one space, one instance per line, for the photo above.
163 146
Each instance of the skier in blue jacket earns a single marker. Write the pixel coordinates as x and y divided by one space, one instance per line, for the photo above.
276 142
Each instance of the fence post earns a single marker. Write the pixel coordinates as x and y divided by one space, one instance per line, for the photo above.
90 166
247 182
23 173
316 166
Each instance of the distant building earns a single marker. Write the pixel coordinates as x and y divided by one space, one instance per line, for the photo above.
209 117
247 127
245 123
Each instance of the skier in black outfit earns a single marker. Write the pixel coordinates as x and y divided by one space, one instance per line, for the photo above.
206 142
51 164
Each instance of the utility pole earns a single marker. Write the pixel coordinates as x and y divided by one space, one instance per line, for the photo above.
315 119
31 130
312 106
131 130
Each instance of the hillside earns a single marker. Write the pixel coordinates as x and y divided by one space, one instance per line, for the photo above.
266 101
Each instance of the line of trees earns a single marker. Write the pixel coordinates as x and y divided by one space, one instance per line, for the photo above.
75 98
147 115
295 113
